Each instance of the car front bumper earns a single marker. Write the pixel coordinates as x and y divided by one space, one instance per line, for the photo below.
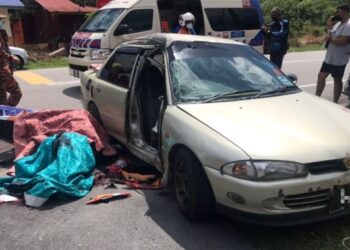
312 198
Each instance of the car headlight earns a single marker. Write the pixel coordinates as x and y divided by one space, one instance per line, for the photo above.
264 170
99 54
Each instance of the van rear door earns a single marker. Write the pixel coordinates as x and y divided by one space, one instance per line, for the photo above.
238 20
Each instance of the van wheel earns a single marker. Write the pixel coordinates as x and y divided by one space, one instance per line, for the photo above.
193 191
93 110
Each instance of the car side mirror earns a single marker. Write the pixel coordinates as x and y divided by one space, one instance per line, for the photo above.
293 78
122 29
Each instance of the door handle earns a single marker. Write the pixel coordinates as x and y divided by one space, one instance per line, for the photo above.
98 90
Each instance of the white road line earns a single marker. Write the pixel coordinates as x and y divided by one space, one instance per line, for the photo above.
314 84
303 61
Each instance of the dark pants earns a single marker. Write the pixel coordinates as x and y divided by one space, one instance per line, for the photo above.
10 85
277 59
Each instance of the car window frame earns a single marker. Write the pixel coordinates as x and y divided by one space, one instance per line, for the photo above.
123 50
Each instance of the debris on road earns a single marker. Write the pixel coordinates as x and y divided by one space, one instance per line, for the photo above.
108 197
5 198
56 153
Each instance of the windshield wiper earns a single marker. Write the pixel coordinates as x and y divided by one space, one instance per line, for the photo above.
230 94
84 30
276 90
100 30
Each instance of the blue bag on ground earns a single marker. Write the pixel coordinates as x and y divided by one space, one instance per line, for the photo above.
63 164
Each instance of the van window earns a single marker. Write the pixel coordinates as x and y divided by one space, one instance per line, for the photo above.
139 20
226 19
119 68
101 20
169 11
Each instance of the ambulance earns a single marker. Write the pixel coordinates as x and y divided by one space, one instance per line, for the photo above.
122 20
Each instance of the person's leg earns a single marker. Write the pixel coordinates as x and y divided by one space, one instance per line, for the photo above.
15 91
338 86
337 75
3 94
321 82
277 59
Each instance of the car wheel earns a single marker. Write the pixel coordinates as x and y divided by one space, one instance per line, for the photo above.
95 113
20 64
193 191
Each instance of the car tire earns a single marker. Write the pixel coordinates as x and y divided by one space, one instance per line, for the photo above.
20 65
93 110
194 195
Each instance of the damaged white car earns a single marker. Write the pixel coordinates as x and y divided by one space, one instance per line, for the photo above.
226 127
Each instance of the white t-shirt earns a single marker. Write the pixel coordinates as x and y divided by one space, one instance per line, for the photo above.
339 54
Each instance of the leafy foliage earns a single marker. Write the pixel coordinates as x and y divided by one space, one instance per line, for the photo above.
303 14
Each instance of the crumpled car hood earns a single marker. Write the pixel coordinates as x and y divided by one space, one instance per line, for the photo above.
296 127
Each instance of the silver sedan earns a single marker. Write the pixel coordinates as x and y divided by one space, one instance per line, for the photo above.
230 130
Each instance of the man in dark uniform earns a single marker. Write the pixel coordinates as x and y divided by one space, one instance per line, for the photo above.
277 33
7 82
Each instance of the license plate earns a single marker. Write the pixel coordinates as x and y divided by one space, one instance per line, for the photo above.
339 200
74 72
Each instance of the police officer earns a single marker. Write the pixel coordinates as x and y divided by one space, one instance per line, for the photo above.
277 33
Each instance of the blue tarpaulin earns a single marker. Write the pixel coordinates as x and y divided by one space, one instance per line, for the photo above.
11 4
63 164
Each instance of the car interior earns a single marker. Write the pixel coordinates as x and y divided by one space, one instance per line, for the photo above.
150 90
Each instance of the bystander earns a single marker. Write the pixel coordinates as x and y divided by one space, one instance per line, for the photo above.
337 56
8 83
277 33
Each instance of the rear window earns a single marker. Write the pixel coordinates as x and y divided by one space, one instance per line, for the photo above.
226 19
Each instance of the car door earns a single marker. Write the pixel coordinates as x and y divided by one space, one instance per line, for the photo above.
110 90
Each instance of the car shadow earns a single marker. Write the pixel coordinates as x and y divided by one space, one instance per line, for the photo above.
73 92
221 232
215 233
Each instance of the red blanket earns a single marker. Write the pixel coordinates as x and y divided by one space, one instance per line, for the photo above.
30 129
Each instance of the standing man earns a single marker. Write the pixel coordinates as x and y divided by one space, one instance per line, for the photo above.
277 32
7 82
337 56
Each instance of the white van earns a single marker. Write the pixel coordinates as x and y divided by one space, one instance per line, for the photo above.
121 20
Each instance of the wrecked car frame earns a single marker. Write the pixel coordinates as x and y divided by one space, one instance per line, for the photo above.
226 127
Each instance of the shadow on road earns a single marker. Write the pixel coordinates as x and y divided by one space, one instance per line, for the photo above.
222 232
73 92
216 233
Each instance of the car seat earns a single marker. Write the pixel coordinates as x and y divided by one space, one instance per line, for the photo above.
152 88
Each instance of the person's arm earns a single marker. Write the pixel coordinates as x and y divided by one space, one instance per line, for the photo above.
284 30
342 40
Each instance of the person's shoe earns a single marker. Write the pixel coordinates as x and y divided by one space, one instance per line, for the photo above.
347 105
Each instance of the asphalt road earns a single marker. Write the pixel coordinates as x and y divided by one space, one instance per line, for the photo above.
146 220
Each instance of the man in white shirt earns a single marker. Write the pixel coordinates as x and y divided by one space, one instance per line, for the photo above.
337 56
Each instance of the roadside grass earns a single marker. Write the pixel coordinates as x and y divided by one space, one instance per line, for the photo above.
55 62
320 236
308 47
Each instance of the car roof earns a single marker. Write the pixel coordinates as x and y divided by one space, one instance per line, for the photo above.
165 39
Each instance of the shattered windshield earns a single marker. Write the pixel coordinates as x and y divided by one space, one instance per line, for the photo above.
202 71
101 20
